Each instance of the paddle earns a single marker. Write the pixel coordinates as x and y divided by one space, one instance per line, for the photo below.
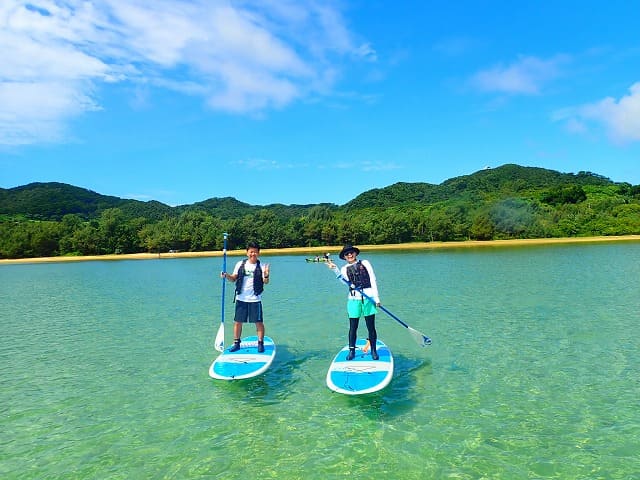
420 338
219 342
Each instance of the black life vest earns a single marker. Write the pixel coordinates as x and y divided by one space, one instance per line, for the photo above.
258 283
358 275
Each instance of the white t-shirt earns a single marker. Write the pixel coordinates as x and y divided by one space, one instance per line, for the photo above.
247 294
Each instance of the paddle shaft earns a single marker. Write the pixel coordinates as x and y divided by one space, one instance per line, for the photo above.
224 269
219 340
426 340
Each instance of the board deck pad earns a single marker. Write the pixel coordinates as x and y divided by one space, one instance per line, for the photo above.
362 374
244 363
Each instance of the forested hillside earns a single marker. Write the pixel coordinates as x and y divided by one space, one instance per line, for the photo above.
51 201
50 219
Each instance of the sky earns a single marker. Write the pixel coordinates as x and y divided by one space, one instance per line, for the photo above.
309 101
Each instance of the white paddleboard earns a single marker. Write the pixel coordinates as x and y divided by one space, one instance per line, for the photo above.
362 374
244 363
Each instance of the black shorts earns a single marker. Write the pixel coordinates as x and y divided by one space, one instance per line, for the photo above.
248 312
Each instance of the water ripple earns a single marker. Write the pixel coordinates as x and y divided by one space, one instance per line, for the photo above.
532 373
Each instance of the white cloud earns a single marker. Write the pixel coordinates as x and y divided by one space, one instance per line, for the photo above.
374 166
240 57
264 164
455 46
32 110
620 118
576 126
526 76
366 51
369 166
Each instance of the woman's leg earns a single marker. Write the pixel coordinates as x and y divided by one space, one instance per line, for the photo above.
353 331
373 335
353 335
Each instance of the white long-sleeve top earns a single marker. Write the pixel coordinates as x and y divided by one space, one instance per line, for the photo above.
371 291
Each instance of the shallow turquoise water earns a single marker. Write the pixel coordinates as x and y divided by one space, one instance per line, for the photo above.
533 371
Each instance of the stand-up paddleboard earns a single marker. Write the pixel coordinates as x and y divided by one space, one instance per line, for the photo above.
244 363
362 374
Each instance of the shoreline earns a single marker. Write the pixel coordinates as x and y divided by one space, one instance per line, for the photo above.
332 249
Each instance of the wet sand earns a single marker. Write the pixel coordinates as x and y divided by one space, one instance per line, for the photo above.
333 250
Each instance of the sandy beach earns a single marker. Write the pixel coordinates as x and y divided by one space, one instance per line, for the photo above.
312 251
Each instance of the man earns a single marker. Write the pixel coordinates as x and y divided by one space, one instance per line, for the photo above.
250 277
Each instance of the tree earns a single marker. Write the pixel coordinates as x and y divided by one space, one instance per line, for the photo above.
482 227
565 194
86 239
511 217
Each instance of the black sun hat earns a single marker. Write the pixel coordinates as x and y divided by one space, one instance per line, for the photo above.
347 249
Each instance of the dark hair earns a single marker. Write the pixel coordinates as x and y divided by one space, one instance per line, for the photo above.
253 245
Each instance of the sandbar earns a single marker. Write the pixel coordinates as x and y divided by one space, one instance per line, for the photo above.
333 250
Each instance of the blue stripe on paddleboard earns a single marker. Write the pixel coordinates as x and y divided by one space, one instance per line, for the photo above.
362 374
357 382
227 369
244 363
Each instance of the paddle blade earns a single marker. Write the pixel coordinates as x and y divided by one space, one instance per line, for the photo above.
219 343
420 338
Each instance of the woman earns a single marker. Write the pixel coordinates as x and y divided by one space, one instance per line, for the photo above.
361 278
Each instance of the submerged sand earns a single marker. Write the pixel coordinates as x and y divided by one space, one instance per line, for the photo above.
333 250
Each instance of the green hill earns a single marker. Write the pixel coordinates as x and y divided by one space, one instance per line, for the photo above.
507 180
53 201
48 219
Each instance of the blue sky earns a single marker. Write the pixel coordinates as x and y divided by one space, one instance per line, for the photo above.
306 101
